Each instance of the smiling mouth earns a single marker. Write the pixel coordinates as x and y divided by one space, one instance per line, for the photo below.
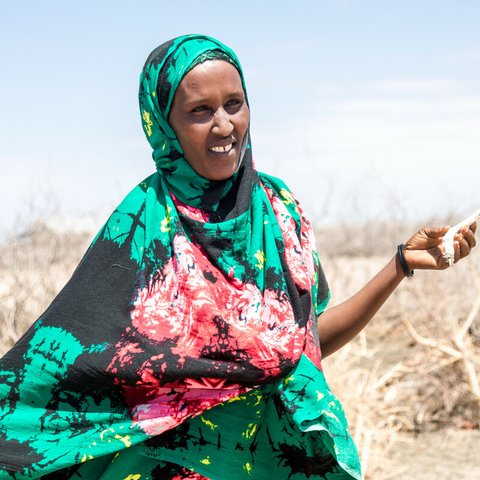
221 148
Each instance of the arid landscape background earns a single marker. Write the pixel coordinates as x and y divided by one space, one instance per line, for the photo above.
409 382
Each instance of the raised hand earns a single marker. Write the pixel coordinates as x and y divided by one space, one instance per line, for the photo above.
425 250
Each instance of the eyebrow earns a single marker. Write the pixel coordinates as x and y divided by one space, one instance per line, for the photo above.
202 100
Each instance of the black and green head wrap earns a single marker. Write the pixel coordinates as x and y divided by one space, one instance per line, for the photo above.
163 71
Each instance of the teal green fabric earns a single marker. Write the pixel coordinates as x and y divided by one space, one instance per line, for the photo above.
185 345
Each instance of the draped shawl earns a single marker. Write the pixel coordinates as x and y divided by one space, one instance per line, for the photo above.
185 344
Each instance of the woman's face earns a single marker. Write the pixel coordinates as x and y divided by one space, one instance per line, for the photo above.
210 117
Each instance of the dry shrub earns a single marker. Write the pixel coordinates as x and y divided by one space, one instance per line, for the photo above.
34 266
416 367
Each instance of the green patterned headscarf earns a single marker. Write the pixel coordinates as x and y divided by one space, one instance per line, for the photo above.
163 71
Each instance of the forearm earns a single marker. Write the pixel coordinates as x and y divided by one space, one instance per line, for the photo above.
339 324
424 250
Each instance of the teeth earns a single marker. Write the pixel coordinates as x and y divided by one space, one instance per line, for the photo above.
219 149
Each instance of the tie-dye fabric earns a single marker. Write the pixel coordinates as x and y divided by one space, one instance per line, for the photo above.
185 344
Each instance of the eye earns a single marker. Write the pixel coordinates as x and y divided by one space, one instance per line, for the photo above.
200 109
233 104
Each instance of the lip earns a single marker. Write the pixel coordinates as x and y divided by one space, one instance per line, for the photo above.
223 143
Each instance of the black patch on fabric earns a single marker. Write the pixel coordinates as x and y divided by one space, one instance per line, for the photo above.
238 199
63 473
168 471
229 368
273 279
13 454
96 310
322 292
300 299
223 346
171 439
210 277
158 54
302 464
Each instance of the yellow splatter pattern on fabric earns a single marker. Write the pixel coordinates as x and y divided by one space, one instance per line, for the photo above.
147 123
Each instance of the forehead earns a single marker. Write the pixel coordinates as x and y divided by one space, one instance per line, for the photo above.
211 76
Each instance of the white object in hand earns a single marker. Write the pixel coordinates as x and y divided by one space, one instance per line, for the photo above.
449 236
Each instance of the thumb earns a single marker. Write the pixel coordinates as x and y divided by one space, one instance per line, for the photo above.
436 232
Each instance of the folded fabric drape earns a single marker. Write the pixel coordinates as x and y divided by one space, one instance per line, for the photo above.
185 344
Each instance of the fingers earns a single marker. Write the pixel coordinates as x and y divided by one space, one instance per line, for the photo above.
469 236
457 253
464 247
464 242
430 240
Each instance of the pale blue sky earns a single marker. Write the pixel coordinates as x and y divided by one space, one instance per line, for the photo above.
361 106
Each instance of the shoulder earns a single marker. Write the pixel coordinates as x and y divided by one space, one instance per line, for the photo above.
282 191
137 195
275 184
132 207
278 191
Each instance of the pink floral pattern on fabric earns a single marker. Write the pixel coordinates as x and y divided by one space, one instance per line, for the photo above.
173 405
300 266
189 211
196 312
198 307
299 255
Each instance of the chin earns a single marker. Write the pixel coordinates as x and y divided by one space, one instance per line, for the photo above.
219 178
221 173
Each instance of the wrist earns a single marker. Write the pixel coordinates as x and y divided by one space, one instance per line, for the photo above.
402 259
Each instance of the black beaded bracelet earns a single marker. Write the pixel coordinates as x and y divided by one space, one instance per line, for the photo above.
402 261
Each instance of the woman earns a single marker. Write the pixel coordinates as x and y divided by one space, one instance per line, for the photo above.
185 346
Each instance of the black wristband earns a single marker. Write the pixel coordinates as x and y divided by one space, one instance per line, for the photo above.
403 263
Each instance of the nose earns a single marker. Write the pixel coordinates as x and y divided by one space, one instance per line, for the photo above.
222 125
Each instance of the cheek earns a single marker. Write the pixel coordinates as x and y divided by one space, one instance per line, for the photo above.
244 121
191 139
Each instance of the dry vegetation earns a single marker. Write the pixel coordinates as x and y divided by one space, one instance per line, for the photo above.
34 266
416 368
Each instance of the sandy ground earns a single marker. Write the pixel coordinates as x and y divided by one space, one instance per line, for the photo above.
439 455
